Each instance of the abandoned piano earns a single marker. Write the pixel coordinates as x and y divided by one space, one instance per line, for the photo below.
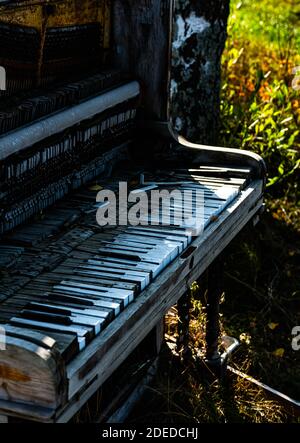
86 107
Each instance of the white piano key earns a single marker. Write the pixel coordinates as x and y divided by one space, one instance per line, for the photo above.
152 251
86 320
78 288
162 230
137 239
141 278
160 233
77 319
120 269
119 252
69 296
161 256
155 271
147 267
75 330
83 311
127 246
120 293
120 264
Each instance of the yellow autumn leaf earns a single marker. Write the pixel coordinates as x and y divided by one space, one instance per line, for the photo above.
279 352
96 188
273 326
246 338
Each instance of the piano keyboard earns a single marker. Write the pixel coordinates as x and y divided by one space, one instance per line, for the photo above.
103 272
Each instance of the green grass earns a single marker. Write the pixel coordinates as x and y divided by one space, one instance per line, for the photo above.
267 22
260 108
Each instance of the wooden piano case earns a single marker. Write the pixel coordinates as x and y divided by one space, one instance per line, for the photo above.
46 44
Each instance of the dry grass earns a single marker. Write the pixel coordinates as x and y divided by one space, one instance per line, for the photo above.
181 395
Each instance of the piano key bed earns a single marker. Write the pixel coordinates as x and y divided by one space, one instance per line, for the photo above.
77 298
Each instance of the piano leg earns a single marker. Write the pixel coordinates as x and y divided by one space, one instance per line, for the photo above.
184 307
213 359
160 334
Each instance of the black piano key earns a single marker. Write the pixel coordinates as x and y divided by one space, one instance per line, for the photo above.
81 300
76 316
68 310
47 317
119 275
102 292
72 269
52 316
48 309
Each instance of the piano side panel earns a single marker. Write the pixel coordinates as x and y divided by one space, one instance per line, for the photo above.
141 45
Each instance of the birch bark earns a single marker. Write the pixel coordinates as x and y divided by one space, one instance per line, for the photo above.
199 37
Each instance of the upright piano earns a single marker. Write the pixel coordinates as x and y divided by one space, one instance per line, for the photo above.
87 107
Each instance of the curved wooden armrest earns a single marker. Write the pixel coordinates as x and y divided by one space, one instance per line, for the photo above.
215 154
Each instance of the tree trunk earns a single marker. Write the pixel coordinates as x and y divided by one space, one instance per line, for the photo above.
198 42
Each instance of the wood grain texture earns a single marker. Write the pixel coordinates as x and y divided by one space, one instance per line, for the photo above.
31 370
141 45
27 412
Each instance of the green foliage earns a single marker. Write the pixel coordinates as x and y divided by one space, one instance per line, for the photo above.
260 110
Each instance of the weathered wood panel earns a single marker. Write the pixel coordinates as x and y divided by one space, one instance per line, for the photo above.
31 371
141 41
